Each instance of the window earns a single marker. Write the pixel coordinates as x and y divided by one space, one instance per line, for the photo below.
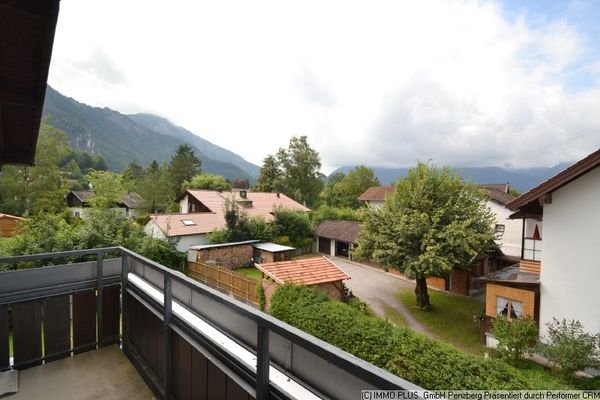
509 308
499 230
188 222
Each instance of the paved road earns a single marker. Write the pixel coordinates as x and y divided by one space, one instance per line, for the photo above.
378 288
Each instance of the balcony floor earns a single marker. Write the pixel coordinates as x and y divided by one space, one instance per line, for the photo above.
100 374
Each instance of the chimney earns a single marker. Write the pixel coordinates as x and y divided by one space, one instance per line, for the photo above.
278 194
243 194
220 189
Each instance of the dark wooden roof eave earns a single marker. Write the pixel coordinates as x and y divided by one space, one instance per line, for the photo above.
27 30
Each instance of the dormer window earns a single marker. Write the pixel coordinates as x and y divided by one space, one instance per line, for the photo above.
188 222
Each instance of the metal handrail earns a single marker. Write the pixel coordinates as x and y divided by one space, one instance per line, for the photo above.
265 323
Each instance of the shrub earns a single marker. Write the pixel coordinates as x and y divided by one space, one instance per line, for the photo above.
262 299
414 357
514 337
570 347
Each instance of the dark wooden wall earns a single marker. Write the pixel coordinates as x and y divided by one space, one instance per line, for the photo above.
48 321
193 376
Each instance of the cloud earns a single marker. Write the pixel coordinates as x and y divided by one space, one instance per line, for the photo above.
383 83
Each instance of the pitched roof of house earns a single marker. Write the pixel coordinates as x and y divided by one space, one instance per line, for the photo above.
129 199
305 271
197 223
498 192
258 203
376 193
345 231
557 181
263 205
8 216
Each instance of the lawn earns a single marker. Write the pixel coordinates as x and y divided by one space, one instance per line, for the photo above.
450 318
394 316
250 272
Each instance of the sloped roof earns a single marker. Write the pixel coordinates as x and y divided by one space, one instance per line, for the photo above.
345 231
8 216
263 204
557 181
27 35
129 199
376 193
497 192
306 271
172 224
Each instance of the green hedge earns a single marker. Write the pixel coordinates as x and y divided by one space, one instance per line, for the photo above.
416 358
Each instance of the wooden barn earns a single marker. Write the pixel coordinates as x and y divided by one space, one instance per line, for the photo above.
9 224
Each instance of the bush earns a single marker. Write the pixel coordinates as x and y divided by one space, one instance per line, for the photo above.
514 337
262 299
570 347
414 357
293 224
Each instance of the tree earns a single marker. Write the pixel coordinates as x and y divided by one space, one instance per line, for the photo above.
431 225
570 347
40 188
108 188
183 167
154 188
344 190
240 227
269 177
292 224
300 165
133 173
207 182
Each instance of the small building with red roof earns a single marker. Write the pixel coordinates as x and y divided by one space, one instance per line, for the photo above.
317 272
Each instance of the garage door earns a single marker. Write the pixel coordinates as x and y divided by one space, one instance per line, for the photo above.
324 245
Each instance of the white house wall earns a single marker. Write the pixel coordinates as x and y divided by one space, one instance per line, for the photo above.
510 243
183 204
185 242
570 273
152 230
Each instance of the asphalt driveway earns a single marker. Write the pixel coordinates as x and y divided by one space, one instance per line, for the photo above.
378 288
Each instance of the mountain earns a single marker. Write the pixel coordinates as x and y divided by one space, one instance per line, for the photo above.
165 127
521 179
121 138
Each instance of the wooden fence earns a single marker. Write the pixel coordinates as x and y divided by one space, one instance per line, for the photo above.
226 280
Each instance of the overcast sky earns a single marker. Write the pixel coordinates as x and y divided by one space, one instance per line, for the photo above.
381 83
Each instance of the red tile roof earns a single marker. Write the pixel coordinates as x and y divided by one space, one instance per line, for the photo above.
305 271
377 193
263 205
172 224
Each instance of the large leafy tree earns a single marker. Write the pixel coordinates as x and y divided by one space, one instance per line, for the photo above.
300 171
40 188
433 223
207 182
184 166
154 188
344 190
270 175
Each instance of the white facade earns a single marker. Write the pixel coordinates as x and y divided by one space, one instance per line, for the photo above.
81 212
570 273
510 242
182 243
183 204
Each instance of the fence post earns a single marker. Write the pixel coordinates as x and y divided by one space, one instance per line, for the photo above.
167 335
262 363
100 297
124 312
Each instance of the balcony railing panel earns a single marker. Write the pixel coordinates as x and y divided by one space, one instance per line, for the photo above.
185 339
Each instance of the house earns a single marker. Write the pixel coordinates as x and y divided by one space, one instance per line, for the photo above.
317 272
508 239
203 211
557 275
336 237
9 224
79 200
375 195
